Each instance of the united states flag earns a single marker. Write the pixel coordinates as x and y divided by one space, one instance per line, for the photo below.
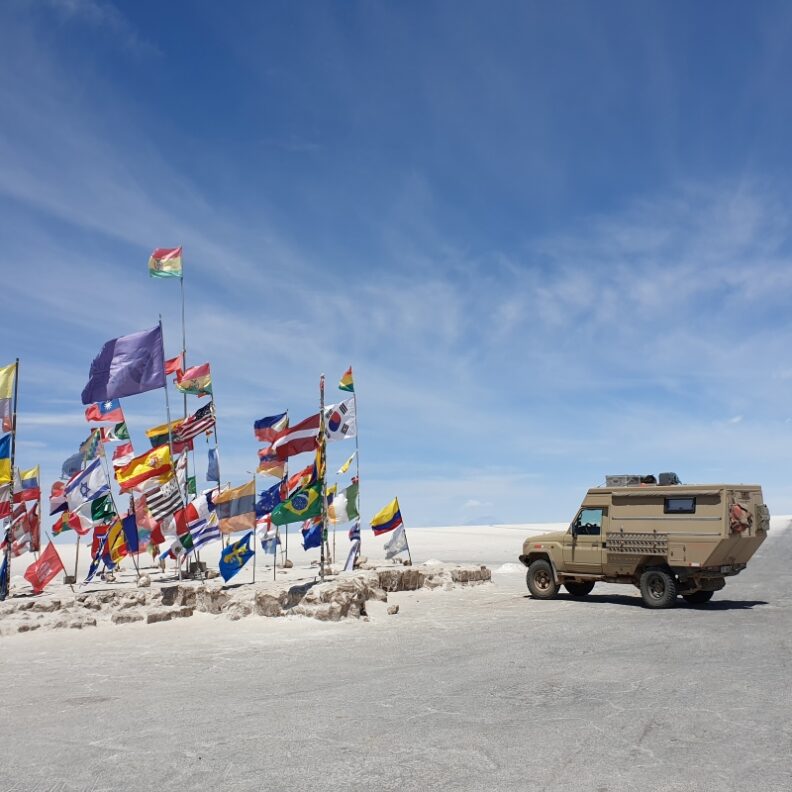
199 422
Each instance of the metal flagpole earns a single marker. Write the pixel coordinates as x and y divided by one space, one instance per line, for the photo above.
7 559
404 528
323 470
357 455
255 538
275 555
77 556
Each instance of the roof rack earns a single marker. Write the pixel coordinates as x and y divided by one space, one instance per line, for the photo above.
636 480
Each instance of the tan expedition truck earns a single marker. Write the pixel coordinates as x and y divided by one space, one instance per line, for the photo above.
666 539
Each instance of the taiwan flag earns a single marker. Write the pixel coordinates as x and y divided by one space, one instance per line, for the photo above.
105 411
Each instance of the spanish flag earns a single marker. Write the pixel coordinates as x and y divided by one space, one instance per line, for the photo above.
387 519
347 383
156 462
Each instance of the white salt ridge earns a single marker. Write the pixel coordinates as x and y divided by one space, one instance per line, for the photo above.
509 569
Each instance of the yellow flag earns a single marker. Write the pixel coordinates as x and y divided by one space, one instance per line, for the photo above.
156 462
345 466
7 374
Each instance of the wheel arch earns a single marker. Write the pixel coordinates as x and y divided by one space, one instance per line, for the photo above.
528 559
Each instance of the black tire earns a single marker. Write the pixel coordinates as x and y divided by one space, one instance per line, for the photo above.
658 588
540 580
579 589
698 597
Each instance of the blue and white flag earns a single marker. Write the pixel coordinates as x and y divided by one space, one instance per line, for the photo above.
354 532
97 559
268 535
87 486
203 534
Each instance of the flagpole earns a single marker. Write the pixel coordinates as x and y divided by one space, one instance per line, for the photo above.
255 543
357 456
404 527
7 560
116 509
323 466
77 556
275 555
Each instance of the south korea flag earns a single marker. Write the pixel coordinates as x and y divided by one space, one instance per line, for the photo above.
340 420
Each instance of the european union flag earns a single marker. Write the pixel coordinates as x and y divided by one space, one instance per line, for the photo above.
268 500
235 556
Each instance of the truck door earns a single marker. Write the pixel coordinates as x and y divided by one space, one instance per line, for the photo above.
583 543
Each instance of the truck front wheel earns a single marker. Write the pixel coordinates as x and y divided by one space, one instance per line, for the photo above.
541 582
658 588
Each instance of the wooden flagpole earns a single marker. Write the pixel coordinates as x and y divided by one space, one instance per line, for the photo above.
323 467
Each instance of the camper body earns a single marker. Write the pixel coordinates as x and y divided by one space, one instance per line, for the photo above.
667 540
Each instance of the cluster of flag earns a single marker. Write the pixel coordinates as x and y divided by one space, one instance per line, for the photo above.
163 499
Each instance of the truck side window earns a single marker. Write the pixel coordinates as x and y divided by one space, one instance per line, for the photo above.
589 522
680 505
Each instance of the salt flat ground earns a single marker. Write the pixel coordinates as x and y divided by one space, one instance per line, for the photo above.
475 689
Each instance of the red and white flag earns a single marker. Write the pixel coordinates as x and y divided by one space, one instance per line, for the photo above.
296 439
123 455
41 572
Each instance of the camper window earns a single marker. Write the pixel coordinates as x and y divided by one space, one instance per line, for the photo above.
680 505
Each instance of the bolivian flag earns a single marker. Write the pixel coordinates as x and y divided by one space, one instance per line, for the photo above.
387 519
156 462
166 263
347 383
196 380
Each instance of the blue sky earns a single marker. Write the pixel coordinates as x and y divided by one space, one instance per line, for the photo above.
552 239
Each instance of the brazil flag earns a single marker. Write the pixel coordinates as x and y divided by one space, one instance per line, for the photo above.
305 503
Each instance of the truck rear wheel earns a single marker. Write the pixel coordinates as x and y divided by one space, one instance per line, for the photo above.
658 588
541 582
698 597
579 589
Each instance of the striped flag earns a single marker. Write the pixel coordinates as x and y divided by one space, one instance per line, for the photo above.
165 500
199 422
208 532
266 429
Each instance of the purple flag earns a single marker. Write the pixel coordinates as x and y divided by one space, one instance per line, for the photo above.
127 365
